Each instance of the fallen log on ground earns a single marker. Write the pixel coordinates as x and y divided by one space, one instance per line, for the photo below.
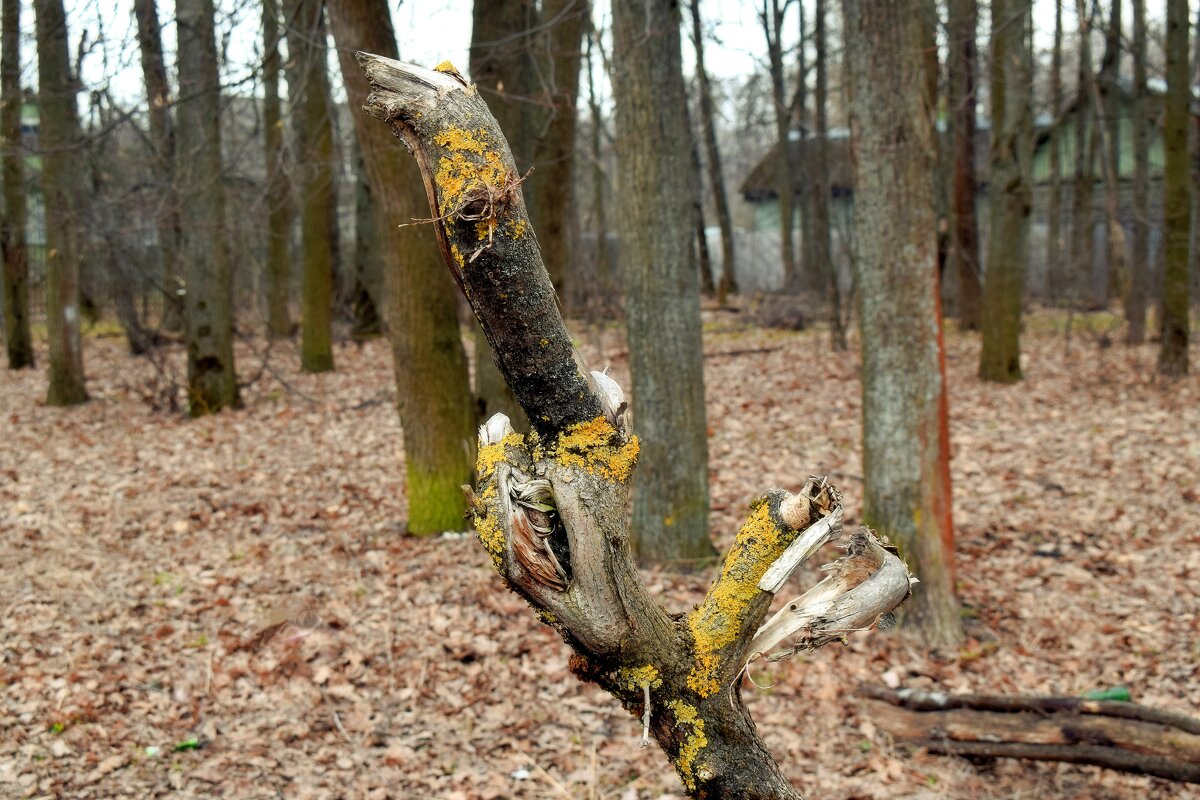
1117 735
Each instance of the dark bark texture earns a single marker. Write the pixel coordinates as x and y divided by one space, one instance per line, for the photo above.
1083 217
419 306
1139 255
905 426
208 272
1177 199
822 248
662 297
961 30
17 333
279 217
60 142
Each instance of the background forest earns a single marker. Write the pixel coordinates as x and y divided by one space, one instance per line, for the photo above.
944 254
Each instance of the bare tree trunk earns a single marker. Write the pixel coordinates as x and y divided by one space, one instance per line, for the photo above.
310 101
60 142
162 136
552 512
1083 217
1115 735
1108 115
1055 248
1139 260
1011 194
1173 354
559 48
502 67
603 290
17 333
368 259
1194 130
208 275
716 176
822 248
419 307
962 28
279 222
708 286
662 298
771 17
905 417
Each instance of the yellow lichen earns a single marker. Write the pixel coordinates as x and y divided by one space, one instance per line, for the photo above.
719 619
492 538
516 228
471 167
446 67
693 743
492 454
594 446
633 678
458 256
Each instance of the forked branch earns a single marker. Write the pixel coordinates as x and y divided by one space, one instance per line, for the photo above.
551 507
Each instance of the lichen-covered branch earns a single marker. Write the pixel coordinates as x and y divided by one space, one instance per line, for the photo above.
551 506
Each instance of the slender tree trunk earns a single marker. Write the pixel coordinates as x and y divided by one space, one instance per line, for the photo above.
503 68
310 100
60 142
208 276
17 333
822 245
771 16
708 286
662 298
1194 282
279 222
716 176
962 25
1012 144
368 259
810 271
905 424
1107 89
1083 217
162 136
604 288
560 50
1139 261
419 306
1055 248
1173 354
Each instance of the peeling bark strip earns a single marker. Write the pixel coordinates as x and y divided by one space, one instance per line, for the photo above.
550 507
1121 736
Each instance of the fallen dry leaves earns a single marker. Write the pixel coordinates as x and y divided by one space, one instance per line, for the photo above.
141 552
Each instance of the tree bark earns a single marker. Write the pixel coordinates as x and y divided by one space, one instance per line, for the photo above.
1173 353
603 289
1139 261
662 298
60 143
771 16
716 176
310 100
962 27
208 276
1083 217
419 306
17 333
279 217
368 258
708 283
1011 193
822 245
905 417
1106 89
503 67
1120 736
571 479
162 136
1055 248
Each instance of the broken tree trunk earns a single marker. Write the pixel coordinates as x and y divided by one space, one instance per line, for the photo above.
551 507
1121 736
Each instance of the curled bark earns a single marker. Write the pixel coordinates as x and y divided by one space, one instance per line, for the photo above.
551 507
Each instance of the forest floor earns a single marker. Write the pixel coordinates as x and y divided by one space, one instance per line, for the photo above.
140 552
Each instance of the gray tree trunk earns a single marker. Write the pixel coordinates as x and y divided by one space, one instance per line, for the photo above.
1011 193
60 141
208 273
17 333
1055 247
368 258
771 16
419 307
1139 258
162 136
905 427
1083 217
1177 212
314 162
279 211
662 297
728 281
962 27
